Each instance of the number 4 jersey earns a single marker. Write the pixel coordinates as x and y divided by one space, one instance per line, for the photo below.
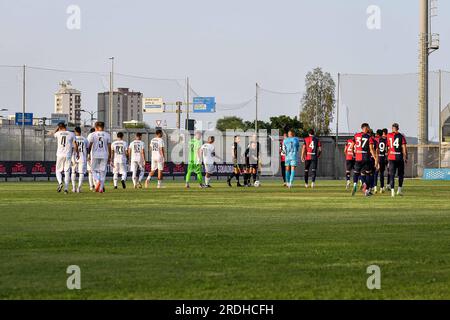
396 141
65 144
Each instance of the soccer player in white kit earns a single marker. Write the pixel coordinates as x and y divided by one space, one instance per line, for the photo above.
157 147
66 146
91 180
209 158
136 153
119 161
79 162
100 151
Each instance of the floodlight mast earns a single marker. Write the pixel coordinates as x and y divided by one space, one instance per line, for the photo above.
428 43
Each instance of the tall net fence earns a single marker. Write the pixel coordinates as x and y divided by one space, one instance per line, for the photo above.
384 99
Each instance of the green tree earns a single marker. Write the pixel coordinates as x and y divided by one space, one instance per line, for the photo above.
286 123
250 125
318 102
230 123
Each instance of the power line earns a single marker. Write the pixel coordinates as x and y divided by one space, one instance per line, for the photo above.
281 92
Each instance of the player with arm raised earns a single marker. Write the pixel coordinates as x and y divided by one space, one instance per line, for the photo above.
79 163
364 149
136 153
119 155
100 151
291 146
65 147
349 151
157 147
398 157
311 152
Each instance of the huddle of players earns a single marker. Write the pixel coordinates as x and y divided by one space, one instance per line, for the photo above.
369 155
78 154
246 164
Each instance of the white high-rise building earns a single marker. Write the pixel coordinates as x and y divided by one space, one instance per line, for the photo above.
68 101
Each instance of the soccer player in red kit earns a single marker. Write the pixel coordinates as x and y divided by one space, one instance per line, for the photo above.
397 156
381 139
311 151
364 149
349 151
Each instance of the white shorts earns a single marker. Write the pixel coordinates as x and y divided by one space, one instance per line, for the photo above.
63 164
120 167
99 165
157 165
79 167
137 165
210 168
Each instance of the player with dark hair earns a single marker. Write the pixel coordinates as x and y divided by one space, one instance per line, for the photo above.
91 179
398 157
385 133
237 163
194 160
349 151
65 147
251 162
100 150
364 149
382 160
311 152
291 146
136 154
157 147
119 160
283 159
79 161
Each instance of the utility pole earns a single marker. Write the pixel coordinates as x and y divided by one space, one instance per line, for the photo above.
111 95
256 109
338 97
179 103
22 128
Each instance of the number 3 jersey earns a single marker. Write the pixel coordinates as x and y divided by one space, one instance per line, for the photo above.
99 141
65 143
120 151
396 141
362 146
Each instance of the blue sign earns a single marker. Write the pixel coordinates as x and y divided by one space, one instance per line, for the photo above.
436 174
28 119
204 104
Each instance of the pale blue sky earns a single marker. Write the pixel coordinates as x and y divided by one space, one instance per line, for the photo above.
223 46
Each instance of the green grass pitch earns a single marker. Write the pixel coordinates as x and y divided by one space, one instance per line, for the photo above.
224 243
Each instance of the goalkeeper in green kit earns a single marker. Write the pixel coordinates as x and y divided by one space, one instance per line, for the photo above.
195 164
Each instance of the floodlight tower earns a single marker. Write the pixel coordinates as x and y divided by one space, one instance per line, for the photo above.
428 43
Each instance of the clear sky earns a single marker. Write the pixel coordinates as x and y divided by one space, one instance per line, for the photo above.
223 46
